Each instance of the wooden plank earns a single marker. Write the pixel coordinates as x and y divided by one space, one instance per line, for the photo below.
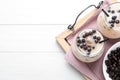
40 11
36 66
30 37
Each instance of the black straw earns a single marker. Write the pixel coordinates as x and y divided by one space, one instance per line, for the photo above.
104 40
105 13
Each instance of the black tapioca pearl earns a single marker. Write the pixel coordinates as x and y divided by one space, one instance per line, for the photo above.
89 49
81 45
112 21
83 40
118 11
112 68
112 25
94 37
112 11
108 70
112 51
85 47
93 47
84 36
98 38
114 17
109 56
88 53
90 33
118 49
93 31
117 78
96 41
78 38
116 69
114 65
109 11
115 58
107 62
117 21
79 41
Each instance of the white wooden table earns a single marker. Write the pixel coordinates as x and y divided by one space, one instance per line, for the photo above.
28 49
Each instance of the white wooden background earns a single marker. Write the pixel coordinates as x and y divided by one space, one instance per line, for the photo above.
28 49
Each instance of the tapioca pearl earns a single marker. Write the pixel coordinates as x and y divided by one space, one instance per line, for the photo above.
90 33
94 37
85 47
78 45
78 38
93 47
112 25
83 40
118 49
81 45
89 49
98 38
112 11
79 41
114 17
112 21
93 31
88 53
118 11
109 11
84 36
117 21
87 34
96 41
